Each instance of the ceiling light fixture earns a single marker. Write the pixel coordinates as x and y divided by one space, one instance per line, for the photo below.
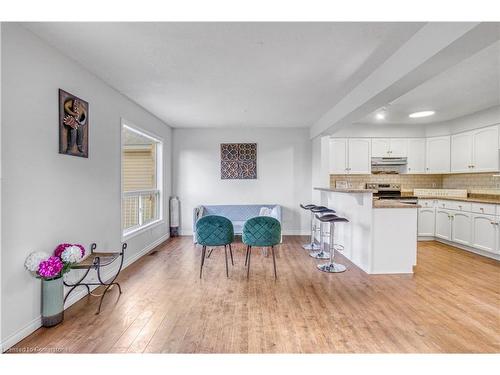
421 114
380 115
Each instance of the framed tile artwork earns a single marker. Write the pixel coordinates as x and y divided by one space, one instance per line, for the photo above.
238 161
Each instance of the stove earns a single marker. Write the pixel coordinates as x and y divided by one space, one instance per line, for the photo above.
391 191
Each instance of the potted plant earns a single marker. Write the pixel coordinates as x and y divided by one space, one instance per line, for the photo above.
50 269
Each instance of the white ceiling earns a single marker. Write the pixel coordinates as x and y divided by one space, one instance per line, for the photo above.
470 86
231 74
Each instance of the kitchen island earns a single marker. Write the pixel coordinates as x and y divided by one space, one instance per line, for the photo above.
381 236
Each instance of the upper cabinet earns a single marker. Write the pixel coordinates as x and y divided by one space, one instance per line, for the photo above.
461 152
468 152
475 151
485 150
350 156
359 160
393 147
438 155
416 155
338 156
399 147
381 147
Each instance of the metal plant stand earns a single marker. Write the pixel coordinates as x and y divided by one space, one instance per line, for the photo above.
97 260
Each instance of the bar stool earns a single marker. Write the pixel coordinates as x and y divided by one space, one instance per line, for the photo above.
311 245
321 210
321 253
314 210
331 266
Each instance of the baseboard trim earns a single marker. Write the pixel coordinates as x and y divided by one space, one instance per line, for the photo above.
36 323
27 330
462 247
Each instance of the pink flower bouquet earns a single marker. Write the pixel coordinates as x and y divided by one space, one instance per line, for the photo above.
47 267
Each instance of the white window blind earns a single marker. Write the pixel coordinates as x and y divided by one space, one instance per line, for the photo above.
141 188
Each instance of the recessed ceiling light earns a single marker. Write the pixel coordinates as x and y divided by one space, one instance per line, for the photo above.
421 114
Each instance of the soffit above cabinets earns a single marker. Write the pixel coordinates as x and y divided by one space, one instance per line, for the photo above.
468 87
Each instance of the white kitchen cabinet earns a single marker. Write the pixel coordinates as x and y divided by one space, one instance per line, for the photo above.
416 155
393 147
399 147
358 160
338 156
426 221
485 232
461 152
461 227
381 147
438 155
475 151
350 156
485 157
443 224
473 225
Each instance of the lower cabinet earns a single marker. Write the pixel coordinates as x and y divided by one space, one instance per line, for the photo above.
485 233
477 230
461 227
443 224
426 221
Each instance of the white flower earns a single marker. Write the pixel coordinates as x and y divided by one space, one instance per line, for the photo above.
34 259
71 254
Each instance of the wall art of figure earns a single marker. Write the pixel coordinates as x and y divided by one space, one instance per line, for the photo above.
73 125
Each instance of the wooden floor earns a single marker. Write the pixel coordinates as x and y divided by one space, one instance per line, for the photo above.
451 304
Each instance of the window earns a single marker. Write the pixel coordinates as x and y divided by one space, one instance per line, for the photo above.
142 180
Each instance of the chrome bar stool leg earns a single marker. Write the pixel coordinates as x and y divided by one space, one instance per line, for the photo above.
312 245
331 266
321 254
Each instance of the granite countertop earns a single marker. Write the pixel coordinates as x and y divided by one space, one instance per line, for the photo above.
479 199
391 203
348 190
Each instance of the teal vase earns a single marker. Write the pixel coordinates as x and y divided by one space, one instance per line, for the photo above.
52 302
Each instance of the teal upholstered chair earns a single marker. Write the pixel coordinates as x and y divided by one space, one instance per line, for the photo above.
213 230
261 231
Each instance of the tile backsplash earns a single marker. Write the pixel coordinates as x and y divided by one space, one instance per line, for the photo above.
475 183
407 181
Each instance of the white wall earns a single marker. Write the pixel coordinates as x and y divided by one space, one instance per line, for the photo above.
49 198
283 172
320 166
1 184
380 130
490 116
